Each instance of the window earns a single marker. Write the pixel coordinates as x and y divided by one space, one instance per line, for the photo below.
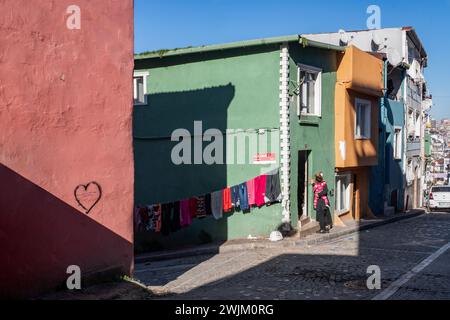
310 94
362 127
397 143
343 193
140 88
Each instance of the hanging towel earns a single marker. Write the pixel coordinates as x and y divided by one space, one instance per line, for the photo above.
208 204
143 214
154 214
273 187
260 190
227 206
217 204
243 197
251 192
201 207
166 212
175 217
193 207
235 196
185 214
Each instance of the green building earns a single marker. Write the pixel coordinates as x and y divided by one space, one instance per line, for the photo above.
269 99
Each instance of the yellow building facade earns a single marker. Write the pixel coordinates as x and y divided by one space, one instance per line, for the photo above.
359 86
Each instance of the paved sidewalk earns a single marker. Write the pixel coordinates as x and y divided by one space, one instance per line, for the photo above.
244 244
333 269
329 267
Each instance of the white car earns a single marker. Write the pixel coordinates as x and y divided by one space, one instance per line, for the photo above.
439 198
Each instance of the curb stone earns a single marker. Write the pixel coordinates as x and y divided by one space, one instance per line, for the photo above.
336 235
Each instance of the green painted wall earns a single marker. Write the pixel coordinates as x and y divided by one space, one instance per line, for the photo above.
232 89
314 134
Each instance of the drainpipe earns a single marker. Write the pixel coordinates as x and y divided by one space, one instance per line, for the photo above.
384 123
285 133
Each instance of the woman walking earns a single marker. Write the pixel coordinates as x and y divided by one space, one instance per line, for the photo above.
322 204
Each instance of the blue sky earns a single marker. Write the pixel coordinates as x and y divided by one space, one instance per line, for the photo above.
165 24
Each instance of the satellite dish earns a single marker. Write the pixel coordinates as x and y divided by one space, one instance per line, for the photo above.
394 57
343 37
377 41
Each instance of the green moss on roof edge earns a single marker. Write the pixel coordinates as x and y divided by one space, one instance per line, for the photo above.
241 44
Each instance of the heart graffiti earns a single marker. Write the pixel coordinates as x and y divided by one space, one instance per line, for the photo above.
88 195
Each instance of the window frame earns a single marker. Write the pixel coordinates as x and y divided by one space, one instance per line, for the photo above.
368 115
317 90
144 75
396 141
348 179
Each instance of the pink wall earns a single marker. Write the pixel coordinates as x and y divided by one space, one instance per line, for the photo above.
65 120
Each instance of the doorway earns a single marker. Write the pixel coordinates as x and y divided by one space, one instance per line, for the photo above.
394 200
355 205
302 183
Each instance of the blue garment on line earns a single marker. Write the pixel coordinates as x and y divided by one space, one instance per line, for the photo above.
235 196
243 196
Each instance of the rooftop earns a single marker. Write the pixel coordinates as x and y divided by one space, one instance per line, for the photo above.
410 30
233 45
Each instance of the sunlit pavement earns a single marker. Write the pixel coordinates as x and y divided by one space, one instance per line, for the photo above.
333 270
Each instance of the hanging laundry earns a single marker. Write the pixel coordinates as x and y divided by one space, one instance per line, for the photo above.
251 192
185 214
200 206
144 219
193 207
175 224
208 204
235 196
166 212
217 204
243 197
227 206
154 214
273 187
260 190
136 218
143 213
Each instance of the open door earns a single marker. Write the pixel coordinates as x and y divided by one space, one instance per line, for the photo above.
302 190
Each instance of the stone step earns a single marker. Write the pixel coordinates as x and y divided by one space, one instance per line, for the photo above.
309 227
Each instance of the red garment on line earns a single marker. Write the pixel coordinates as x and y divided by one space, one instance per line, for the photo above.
226 200
260 190
251 192
193 207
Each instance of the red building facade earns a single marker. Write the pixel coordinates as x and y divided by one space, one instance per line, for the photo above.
66 164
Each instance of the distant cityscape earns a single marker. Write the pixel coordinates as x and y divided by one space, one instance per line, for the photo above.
437 151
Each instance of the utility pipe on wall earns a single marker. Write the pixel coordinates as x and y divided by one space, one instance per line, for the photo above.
285 132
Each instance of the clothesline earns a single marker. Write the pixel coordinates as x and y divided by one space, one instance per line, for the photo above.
172 216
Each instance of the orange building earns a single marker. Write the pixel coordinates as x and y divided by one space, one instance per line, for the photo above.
359 86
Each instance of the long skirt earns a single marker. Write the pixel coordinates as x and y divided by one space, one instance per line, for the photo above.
324 217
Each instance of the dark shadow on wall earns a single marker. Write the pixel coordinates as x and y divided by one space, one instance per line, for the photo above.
159 180
40 236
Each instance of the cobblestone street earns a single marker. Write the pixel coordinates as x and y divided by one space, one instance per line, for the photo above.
333 270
